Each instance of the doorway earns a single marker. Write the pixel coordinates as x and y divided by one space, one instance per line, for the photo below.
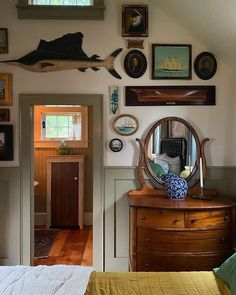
63 182
27 102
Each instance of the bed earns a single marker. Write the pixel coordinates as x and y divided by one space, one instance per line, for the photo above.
79 280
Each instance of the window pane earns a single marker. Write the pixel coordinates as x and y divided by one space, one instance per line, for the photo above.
62 120
51 132
51 121
63 132
61 2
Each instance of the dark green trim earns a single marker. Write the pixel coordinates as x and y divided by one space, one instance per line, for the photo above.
26 11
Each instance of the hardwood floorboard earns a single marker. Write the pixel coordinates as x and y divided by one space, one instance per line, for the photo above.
71 247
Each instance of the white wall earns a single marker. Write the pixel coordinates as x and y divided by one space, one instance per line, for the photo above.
102 37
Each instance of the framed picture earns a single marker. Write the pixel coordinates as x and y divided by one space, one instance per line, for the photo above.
5 89
125 124
170 95
205 65
116 145
135 63
4 115
114 95
3 40
171 61
134 20
6 142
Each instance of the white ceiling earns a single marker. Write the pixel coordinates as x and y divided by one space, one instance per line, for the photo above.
212 22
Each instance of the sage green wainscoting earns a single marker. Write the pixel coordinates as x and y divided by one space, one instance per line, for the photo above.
118 181
9 216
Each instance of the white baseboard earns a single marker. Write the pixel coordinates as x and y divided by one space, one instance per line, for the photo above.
40 218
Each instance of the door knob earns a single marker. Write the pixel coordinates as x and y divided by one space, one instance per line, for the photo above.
75 178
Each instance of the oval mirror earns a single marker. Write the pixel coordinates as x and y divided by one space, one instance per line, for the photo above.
172 145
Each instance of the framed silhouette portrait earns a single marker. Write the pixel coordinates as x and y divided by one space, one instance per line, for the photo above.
205 65
134 20
135 63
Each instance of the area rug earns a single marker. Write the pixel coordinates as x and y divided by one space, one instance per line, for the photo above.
43 240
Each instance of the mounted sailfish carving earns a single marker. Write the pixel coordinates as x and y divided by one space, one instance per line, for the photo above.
64 53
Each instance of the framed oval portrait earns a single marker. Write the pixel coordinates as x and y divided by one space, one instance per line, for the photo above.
116 145
205 65
125 124
135 63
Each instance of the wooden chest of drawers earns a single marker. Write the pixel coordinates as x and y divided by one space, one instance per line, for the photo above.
168 235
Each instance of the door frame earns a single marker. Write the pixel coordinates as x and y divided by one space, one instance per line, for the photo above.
26 144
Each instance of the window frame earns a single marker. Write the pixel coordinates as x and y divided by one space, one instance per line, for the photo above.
29 11
54 143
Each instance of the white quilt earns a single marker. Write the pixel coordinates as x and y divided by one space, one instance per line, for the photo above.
44 280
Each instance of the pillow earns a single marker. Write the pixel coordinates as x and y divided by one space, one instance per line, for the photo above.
174 163
156 168
163 164
227 272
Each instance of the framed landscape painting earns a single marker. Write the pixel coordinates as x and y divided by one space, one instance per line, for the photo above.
171 61
5 89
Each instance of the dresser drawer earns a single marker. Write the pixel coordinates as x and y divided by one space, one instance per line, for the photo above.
209 218
151 262
160 218
169 241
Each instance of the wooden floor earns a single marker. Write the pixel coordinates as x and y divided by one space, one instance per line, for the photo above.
70 247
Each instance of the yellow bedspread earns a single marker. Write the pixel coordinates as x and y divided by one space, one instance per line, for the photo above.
153 283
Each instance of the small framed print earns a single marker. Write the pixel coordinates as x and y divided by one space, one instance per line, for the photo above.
171 61
114 96
205 65
134 20
3 40
5 89
135 63
6 142
125 124
4 115
116 145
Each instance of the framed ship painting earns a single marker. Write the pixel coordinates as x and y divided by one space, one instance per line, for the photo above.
170 61
125 124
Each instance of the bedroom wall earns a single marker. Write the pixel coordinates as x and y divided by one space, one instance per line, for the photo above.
102 37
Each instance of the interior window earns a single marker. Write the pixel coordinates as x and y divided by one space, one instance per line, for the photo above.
61 9
53 124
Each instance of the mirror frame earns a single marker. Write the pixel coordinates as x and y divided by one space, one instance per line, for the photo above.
147 140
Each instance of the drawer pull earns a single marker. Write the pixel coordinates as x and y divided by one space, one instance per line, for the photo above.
147 264
177 220
143 218
147 239
226 218
193 220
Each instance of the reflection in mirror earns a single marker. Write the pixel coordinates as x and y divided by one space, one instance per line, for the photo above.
172 148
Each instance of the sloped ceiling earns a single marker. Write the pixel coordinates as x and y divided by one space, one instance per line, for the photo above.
212 22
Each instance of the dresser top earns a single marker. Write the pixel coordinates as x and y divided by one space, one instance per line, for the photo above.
189 203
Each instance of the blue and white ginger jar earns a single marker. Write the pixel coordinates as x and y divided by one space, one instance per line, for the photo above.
175 187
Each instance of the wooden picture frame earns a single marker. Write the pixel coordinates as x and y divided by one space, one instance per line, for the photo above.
5 89
169 95
135 63
135 20
205 65
6 142
125 124
3 41
4 115
171 61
